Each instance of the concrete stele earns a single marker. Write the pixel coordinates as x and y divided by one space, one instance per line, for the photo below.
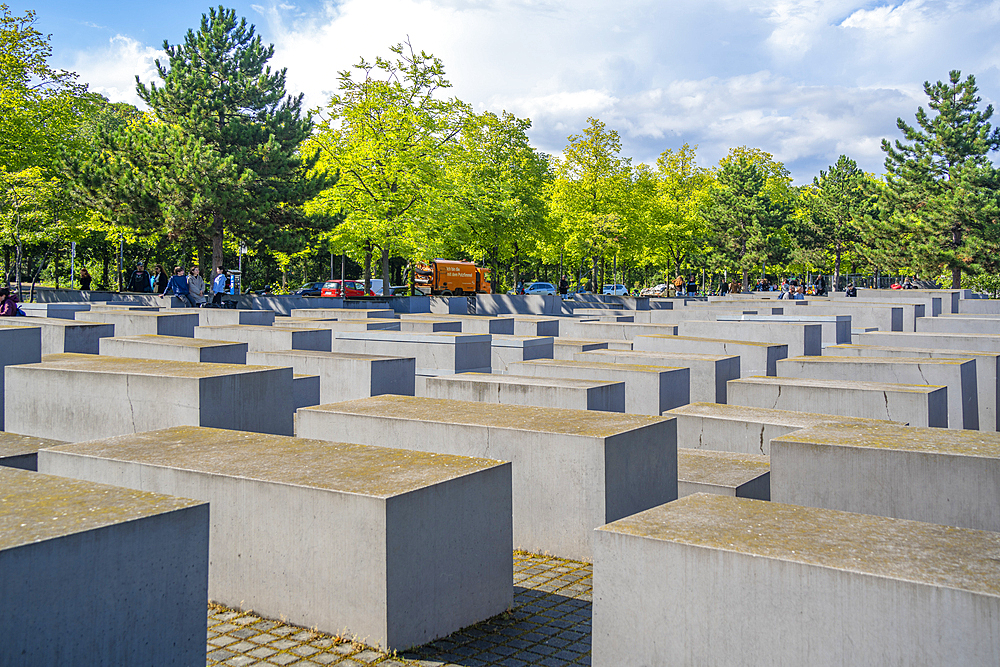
268 338
137 322
723 473
435 353
886 591
572 469
801 339
174 348
421 541
59 335
18 345
21 451
344 313
709 372
99 575
525 390
755 358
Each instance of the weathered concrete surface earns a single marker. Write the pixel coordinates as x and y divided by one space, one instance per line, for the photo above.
649 389
913 404
836 328
209 317
959 375
174 348
987 372
99 575
305 390
428 325
76 397
137 322
614 330
435 353
573 470
18 345
470 323
881 591
941 341
506 350
566 349
267 339
64 311
723 473
801 339
902 472
344 376
959 325
526 390
344 313
421 541
367 324
739 429
535 325
709 372
755 358
21 451
59 335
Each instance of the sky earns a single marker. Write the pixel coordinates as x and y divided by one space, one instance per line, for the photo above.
805 80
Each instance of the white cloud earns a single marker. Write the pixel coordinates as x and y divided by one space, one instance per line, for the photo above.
111 70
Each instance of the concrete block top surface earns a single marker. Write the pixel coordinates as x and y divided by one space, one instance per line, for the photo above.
93 363
603 365
440 337
15 444
239 327
715 340
342 313
833 349
654 356
741 413
318 354
838 384
36 507
378 472
507 340
923 553
177 341
47 321
580 341
722 468
522 380
978 444
830 359
588 423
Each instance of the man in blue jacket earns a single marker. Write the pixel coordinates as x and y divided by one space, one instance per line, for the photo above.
178 286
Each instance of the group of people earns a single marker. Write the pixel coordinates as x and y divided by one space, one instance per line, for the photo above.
188 287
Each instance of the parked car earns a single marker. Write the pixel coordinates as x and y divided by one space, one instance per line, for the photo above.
540 288
352 289
310 289
619 290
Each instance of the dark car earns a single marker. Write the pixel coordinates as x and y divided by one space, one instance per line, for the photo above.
309 289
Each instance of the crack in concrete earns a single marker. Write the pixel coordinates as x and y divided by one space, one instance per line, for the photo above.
762 427
131 408
885 396
777 398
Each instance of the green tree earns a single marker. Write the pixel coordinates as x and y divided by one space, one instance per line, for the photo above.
388 133
942 185
750 203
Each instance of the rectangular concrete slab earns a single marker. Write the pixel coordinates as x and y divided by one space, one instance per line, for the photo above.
76 397
99 575
18 345
615 330
566 349
836 328
941 341
21 451
527 390
269 338
137 322
913 404
709 372
59 335
344 376
723 473
435 353
391 546
739 429
305 390
371 324
535 325
902 472
755 358
572 469
175 348
470 323
649 389
712 580
231 316
801 339
505 350
959 325
959 375
344 313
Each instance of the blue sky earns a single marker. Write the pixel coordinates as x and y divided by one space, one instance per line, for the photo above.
805 80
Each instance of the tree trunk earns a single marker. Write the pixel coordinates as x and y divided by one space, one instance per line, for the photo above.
836 271
385 271
517 265
217 238
746 281
368 269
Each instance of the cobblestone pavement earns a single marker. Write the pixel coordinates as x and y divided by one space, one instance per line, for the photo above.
549 625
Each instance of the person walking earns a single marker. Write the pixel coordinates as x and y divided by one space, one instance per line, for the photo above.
735 287
196 287
563 286
218 285
138 280
679 286
178 286
85 279
159 280
8 304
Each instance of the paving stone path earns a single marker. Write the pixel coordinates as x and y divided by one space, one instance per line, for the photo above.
549 625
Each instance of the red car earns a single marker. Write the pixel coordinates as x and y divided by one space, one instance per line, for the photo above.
353 288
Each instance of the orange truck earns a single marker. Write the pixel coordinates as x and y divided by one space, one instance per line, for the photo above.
447 277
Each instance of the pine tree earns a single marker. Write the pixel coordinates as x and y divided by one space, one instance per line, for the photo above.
943 186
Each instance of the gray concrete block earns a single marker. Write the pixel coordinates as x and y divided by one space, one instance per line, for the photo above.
76 397
208 317
505 350
99 575
21 451
941 341
367 324
836 328
535 325
267 339
64 311
343 376
614 330
137 322
59 335
709 372
801 339
525 390
959 325
755 358
959 375
470 323
944 477
649 389
435 353
174 348
344 313
573 470
879 590
723 473
566 349
18 345
913 404
391 546
739 429
428 325
305 389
